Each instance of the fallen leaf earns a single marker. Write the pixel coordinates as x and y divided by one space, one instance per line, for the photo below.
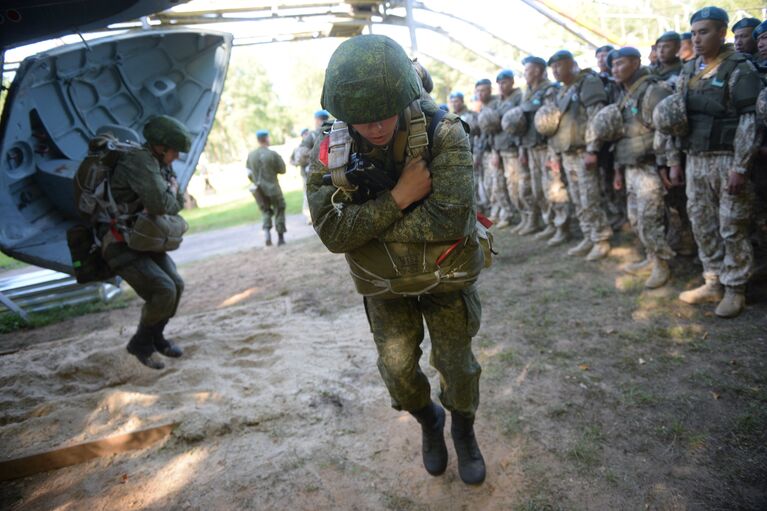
705 335
642 361
584 367
123 478
714 394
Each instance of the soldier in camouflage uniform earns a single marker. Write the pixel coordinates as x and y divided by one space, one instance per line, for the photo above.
582 95
760 36
720 88
514 186
264 165
498 202
669 64
548 189
470 118
321 118
144 179
395 238
686 52
635 157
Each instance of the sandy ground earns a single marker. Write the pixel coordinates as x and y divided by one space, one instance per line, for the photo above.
595 395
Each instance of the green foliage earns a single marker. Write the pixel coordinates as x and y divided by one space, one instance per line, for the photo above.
10 322
248 104
9 263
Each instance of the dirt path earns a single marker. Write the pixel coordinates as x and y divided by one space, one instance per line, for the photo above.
595 395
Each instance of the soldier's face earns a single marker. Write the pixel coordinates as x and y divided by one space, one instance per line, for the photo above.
707 37
170 156
667 51
533 73
744 43
685 49
483 93
602 61
378 133
456 104
761 44
506 85
624 68
653 56
563 70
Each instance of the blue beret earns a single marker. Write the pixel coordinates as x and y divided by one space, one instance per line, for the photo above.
322 114
262 133
443 106
626 51
610 57
304 131
560 55
533 60
456 94
746 23
505 73
760 30
710 13
483 81
607 48
669 36
686 36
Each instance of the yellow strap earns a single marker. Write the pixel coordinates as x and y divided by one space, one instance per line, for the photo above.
710 67
633 89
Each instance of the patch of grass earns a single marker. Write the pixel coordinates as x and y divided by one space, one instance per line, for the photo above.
538 503
633 395
507 357
12 323
236 213
586 450
9 263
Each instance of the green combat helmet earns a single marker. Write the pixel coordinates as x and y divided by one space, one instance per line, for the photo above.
489 121
547 120
369 78
761 106
670 116
514 121
607 125
167 131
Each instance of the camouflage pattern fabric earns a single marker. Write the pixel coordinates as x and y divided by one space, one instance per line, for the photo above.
397 327
271 206
496 185
555 190
528 206
720 221
264 165
585 194
536 157
511 168
646 209
140 178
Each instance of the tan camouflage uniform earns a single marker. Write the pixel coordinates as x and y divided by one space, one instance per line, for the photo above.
721 221
500 206
516 177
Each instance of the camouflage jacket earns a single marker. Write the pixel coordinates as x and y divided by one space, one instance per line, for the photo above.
579 102
670 73
447 213
533 99
470 118
140 180
484 142
505 141
263 167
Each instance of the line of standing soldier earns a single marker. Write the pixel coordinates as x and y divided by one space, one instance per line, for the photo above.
676 148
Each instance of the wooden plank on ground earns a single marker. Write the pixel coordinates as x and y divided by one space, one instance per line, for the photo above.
66 456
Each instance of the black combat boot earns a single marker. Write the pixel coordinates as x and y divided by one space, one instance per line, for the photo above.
280 239
141 346
434 450
267 238
165 346
471 465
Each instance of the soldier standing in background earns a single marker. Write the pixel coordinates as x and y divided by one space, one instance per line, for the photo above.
489 122
744 42
482 149
760 36
582 95
300 158
686 51
549 192
264 165
719 90
514 182
669 64
631 121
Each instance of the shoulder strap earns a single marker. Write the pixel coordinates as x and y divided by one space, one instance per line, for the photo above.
634 88
435 120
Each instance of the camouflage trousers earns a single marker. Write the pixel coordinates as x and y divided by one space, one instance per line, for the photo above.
271 206
452 319
495 185
536 162
522 199
585 194
646 209
480 194
720 221
556 204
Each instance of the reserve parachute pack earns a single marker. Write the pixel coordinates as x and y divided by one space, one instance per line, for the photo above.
390 269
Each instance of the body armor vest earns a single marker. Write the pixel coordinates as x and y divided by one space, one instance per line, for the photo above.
571 134
636 145
531 105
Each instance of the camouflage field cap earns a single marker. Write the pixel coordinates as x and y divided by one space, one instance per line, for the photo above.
489 121
514 121
670 116
547 120
607 124
369 78
761 106
167 131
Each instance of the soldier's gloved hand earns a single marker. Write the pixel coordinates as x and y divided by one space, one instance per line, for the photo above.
676 175
618 179
590 160
736 183
663 171
413 185
523 158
